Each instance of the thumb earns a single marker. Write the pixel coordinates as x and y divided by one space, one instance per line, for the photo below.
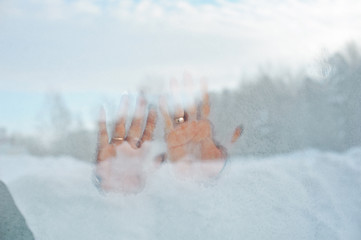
237 133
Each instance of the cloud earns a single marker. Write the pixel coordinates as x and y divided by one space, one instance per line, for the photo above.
88 7
118 44
307 19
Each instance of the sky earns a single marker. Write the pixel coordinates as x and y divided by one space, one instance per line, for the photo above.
96 48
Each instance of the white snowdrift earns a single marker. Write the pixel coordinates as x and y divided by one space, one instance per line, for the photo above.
305 195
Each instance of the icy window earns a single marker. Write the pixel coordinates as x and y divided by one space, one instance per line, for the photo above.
180 119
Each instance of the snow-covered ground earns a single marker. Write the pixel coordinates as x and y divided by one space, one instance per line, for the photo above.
304 195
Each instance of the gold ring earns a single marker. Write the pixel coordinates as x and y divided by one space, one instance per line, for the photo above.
118 138
179 120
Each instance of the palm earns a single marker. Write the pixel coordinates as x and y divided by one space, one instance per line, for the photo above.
190 141
193 138
121 168
121 163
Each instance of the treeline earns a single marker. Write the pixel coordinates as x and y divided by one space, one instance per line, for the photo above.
281 114
59 133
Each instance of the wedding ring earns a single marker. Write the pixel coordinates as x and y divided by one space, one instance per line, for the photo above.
179 120
118 138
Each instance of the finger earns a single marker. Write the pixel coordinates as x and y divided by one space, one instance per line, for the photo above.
175 89
103 138
150 125
190 101
205 107
136 126
236 134
119 129
168 123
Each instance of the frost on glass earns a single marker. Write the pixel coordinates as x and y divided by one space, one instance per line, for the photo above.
293 174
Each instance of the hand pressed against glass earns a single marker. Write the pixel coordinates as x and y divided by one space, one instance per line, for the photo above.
189 138
121 163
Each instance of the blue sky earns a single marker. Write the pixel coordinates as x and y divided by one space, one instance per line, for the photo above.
28 112
95 49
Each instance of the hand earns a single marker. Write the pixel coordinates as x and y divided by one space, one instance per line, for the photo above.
122 163
189 138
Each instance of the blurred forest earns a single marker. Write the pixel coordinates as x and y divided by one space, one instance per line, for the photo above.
279 114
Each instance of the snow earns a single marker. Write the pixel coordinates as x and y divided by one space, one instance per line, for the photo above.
303 195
